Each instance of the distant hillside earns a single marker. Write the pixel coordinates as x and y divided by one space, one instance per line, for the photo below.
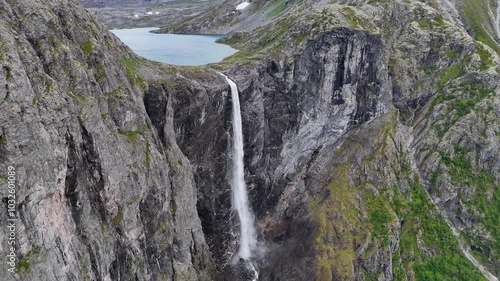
110 3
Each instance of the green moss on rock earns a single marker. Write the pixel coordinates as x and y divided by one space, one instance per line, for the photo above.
87 47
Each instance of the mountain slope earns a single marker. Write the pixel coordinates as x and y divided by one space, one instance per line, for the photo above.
113 3
100 195
371 146
442 86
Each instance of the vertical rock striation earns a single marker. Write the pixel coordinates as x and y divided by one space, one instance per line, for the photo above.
102 195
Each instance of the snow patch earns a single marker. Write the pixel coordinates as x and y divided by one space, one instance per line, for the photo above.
242 5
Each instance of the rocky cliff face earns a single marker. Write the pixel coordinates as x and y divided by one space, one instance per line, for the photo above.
102 195
113 3
371 148
359 159
435 69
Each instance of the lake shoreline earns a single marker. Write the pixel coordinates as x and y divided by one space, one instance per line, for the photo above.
175 49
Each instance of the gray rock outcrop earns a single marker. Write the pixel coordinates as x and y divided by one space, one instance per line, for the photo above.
371 148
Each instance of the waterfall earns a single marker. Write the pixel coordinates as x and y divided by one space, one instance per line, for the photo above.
248 240
497 20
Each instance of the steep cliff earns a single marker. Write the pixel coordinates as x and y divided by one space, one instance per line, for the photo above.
374 201
371 144
102 195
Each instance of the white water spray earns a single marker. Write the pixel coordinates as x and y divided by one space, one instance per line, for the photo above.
248 241
497 20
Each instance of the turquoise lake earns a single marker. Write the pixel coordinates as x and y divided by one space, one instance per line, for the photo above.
178 49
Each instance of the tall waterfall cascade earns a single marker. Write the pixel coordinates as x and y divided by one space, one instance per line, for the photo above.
248 240
497 19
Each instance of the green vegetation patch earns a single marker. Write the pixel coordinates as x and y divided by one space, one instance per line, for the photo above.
277 8
350 15
474 93
428 249
242 57
3 140
485 55
87 47
335 214
117 219
437 256
79 97
437 22
100 73
132 71
118 94
461 100
476 14
379 215
273 37
131 135
131 64
23 266
450 73
453 54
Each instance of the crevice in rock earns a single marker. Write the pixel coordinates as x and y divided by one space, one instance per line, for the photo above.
3 146
155 101
84 170
93 262
121 267
367 89
91 163
35 45
71 179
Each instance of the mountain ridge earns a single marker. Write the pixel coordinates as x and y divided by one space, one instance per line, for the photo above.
114 3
